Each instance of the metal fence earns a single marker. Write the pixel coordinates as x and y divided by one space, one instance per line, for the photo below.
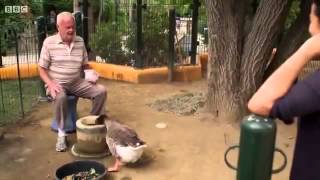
27 45
127 32
115 38
19 52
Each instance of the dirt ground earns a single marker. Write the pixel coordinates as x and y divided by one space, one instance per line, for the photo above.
189 148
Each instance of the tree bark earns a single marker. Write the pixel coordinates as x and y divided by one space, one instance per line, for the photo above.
267 23
236 60
225 21
293 39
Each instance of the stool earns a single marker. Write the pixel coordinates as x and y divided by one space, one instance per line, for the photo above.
70 123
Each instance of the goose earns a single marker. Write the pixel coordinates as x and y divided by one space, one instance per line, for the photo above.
123 142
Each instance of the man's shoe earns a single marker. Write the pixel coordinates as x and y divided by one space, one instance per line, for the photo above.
61 145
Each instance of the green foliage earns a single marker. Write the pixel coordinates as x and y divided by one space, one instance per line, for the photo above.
57 5
35 7
184 9
293 13
155 36
10 107
11 19
116 36
16 21
108 10
7 39
203 22
106 42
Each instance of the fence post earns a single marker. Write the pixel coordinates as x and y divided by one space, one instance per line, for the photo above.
116 14
79 27
172 31
18 70
138 55
41 32
1 65
194 33
85 22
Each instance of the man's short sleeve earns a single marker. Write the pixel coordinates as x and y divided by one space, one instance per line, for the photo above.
44 60
301 100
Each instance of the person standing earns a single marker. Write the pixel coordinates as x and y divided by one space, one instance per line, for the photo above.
280 97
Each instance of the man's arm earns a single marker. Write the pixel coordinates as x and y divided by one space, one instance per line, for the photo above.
278 84
53 87
44 63
44 75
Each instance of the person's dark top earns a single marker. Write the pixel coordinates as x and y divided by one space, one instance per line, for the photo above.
303 101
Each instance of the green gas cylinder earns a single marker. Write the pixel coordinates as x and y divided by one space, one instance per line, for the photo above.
257 146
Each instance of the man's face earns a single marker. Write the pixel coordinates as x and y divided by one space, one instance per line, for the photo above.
314 26
66 29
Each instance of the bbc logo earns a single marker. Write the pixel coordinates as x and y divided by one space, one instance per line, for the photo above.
16 9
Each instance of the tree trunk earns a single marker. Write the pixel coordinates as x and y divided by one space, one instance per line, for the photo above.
236 61
267 23
225 46
293 39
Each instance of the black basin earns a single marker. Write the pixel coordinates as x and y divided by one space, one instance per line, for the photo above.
79 166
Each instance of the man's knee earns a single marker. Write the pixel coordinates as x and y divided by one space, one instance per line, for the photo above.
61 97
101 91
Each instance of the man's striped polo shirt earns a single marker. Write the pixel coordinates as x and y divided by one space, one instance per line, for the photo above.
64 63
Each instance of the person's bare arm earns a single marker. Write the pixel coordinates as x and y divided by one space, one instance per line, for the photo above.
278 84
53 87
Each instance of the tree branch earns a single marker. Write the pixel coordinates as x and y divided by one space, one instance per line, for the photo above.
266 25
293 39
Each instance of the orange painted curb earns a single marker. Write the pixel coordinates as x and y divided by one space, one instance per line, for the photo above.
115 72
26 71
149 75
204 62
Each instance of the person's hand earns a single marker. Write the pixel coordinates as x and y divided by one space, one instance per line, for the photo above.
54 88
91 75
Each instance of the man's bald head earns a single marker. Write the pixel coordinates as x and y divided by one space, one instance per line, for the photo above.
66 26
64 16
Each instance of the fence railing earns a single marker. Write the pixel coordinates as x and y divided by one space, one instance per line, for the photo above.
117 39
135 33
18 94
27 46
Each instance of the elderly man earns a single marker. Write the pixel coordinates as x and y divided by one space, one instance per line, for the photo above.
63 57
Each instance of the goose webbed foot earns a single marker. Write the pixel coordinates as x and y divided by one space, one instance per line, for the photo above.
116 166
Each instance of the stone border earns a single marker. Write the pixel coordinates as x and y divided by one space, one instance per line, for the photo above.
116 72
26 71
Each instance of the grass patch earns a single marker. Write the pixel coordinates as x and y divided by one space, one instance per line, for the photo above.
10 106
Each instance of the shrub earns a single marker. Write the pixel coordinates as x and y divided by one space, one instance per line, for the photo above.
107 43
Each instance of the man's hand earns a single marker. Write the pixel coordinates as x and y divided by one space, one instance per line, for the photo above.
91 75
54 89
